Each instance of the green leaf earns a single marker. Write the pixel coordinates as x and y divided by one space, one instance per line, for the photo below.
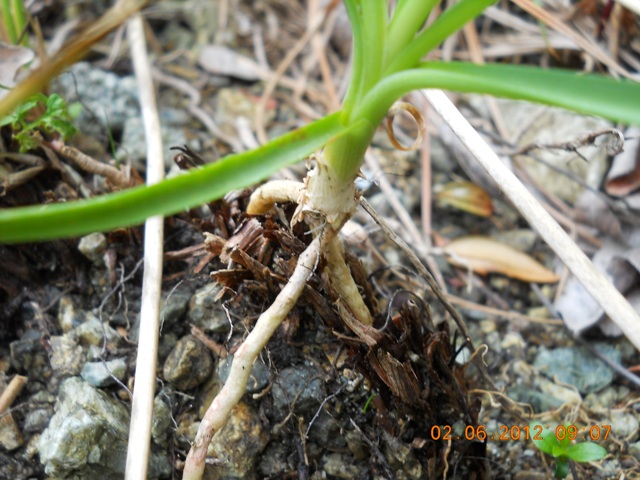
133 206
548 441
566 440
408 17
585 452
55 104
28 140
449 22
558 450
617 100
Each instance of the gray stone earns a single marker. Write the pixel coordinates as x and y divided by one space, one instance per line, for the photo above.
205 312
101 374
302 384
577 367
239 444
10 435
69 316
133 146
401 457
92 332
189 364
87 436
274 462
258 380
67 357
341 466
173 306
28 354
161 423
37 419
624 425
634 449
83 82
93 247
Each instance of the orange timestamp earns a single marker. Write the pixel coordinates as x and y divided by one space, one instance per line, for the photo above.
515 432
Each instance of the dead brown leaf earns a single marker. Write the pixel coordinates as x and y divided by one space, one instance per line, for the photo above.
484 255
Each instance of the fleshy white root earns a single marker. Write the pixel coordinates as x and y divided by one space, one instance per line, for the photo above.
276 191
342 281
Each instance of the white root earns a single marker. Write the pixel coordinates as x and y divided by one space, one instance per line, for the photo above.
342 281
234 388
275 191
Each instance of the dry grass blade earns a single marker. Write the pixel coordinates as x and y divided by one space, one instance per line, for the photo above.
591 48
70 53
143 394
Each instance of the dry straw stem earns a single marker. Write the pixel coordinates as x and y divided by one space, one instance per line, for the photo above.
70 53
11 392
220 409
145 379
610 299
633 5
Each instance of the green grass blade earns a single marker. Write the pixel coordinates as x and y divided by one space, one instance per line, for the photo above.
353 91
617 100
131 207
451 20
7 20
407 20
375 18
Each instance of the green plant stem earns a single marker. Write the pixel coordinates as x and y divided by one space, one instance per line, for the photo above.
445 25
344 155
7 19
405 23
617 100
374 17
20 21
133 206
355 19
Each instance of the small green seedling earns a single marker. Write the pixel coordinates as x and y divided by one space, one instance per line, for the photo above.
55 119
563 451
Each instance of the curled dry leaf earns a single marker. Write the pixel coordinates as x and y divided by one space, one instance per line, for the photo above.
484 255
466 196
417 116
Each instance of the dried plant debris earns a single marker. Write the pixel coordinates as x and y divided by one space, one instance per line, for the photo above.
407 364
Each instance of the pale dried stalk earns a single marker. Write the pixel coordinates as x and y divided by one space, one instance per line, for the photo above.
145 377
85 162
633 5
610 299
234 388
11 392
